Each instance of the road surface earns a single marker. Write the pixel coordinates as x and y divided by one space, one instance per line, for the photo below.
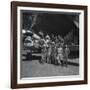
35 69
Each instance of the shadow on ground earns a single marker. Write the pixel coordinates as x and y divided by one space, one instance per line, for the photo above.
71 61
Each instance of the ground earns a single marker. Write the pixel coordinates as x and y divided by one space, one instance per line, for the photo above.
35 69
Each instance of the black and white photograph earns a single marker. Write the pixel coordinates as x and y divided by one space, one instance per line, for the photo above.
49 46
49 43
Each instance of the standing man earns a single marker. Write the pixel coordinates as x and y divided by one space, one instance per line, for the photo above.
52 56
43 50
60 54
67 51
48 48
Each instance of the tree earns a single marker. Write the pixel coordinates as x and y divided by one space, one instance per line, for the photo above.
69 38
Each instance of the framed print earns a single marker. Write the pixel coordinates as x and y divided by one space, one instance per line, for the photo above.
48 44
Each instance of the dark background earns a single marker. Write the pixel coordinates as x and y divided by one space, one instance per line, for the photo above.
51 23
54 23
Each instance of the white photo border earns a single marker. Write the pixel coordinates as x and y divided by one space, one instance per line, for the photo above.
81 47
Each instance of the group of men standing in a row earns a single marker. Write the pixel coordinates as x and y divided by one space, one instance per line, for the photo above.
54 51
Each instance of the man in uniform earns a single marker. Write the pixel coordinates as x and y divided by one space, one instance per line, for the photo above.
59 54
67 51
48 48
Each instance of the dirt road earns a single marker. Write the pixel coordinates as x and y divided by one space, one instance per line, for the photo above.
35 69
